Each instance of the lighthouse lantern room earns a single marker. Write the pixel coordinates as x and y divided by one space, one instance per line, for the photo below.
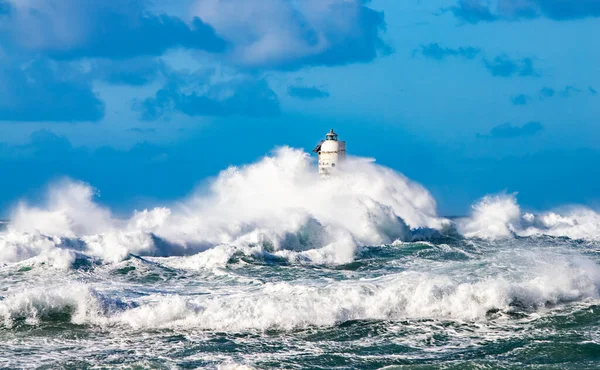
332 154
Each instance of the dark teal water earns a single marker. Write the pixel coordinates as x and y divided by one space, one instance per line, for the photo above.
522 303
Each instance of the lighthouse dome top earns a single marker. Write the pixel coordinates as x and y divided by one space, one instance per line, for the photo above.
331 135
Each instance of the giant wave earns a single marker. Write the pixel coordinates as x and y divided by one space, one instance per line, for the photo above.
277 206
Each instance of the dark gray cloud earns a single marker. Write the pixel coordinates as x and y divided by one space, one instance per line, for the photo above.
503 66
46 91
565 10
278 34
134 72
72 29
43 89
56 49
153 36
307 92
567 92
289 35
508 131
363 44
521 99
570 90
500 66
190 94
119 41
474 11
547 92
437 52
142 130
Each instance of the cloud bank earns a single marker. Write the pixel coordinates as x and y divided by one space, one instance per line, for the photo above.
307 92
194 94
475 11
43 91
503 66
271 34
120 42
508 131
437 52
284 34
521 99
71 29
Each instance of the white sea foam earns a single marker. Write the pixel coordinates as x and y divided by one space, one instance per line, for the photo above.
572 222
17 246
277 203
69 211
234 366
500 216
493 217
538 282
36 303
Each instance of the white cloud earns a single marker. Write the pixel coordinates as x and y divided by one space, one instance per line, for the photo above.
288 33
48 24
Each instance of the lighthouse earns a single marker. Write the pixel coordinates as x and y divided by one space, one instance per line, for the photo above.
332 154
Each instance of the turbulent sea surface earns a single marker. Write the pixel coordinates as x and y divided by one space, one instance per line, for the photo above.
267 267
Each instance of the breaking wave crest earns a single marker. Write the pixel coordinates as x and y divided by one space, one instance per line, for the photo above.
286 305
275 206
499 216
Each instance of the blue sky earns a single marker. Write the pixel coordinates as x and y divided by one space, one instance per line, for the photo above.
137 97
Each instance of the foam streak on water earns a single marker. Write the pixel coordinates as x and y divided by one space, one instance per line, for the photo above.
268 266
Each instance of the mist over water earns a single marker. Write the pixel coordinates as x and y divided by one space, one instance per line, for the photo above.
266 265
278 203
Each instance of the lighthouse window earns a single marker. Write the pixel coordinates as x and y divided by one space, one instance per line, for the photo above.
333 165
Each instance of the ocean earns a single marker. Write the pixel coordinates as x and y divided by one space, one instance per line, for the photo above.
266 266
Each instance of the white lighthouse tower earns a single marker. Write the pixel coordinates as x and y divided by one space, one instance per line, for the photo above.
332 154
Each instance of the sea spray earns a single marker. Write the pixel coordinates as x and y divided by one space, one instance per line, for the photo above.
278 203
499 216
